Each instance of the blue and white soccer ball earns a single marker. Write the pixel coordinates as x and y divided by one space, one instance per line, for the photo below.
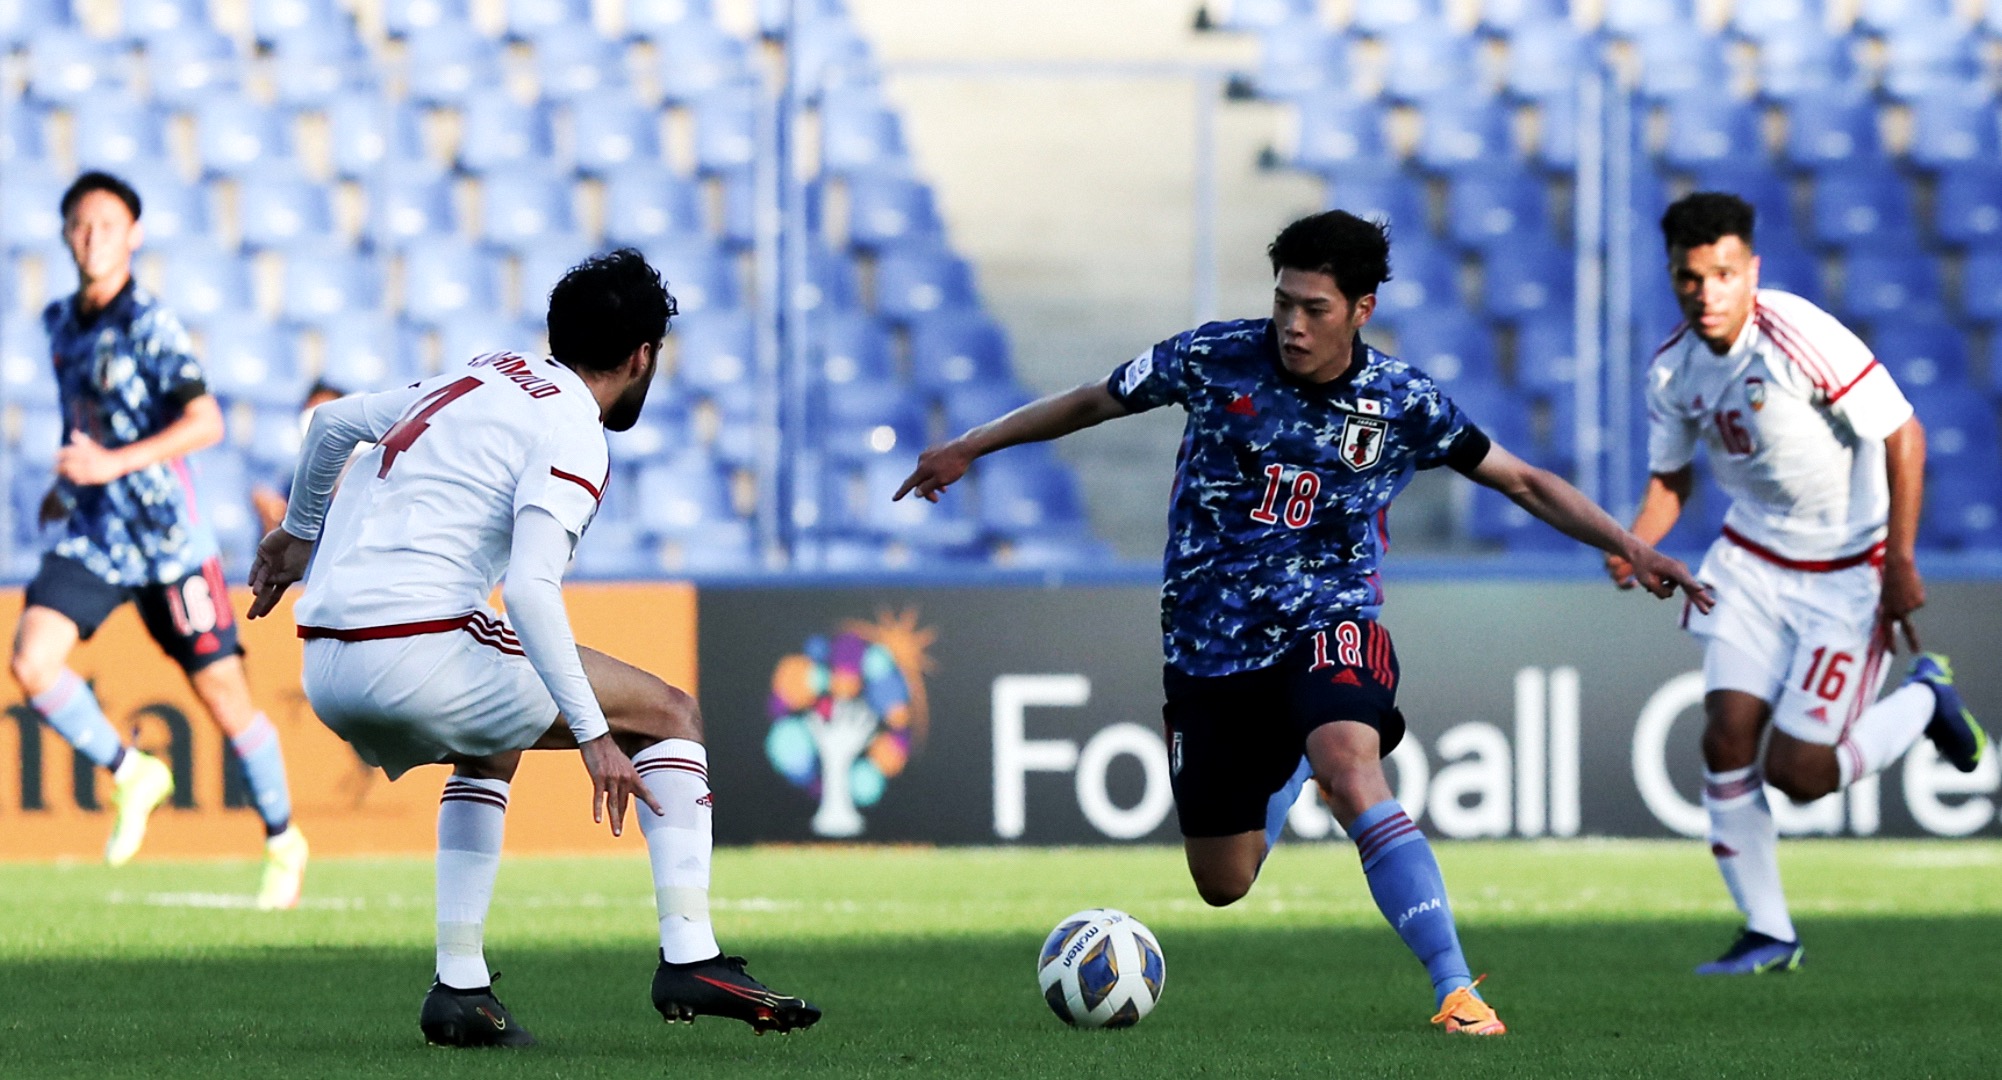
1101 969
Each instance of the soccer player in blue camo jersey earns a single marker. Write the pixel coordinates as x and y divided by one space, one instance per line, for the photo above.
135 403
1298 437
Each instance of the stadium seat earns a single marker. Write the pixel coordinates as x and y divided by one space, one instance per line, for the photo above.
1963 510
1926 56
737 194
1704 128
956 348
1921 354
851 345
1953 127
1629 18
1787 265
717 348
327 280
146 21
645 201
575 61
403 18
1458 131
1545 58
247 359
1830 129
1677 59
889 209
1334 130
27 375
613 549
542 263
1510 18
1379 191
857 131
1424 59
1487 202
662 431
946 524
236 134
1802 59
1423 277
368 133
1967 205
443 277
20 20
1960 428
186 64
1448 344
1887 283
1546 355
1759 21
610 130
1244 15
448 63
1766 188
496 131
695 58
1388 16
1556 144
309 69
1860 205
201 282
829 52
861 420
913 280
683 498
21 133
655 18
365 351
1025 494
112 132
1981 286
275 207
726 128
272 443
31 213
273 19
535 19
1301 59
408 201
1527 275
831 281
222 485
1494 519
65 67
969 406
43 433
700 274
470 334
524 204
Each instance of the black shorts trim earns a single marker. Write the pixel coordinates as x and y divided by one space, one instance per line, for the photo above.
191 619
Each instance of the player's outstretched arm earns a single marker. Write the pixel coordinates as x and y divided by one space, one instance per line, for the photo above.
1661 507
1052 417
1555 502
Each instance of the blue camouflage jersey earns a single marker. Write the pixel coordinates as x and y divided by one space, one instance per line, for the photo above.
1276 527
124 375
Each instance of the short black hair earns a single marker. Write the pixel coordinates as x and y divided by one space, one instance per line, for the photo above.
1705 217
1355 252
100 181
604 308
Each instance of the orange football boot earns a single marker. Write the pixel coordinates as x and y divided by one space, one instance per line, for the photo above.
1464 1013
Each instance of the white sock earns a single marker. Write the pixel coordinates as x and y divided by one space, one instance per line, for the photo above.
1885 731
1746 844
471 818
676 772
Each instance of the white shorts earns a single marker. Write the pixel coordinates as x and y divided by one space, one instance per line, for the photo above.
1806 642
402 702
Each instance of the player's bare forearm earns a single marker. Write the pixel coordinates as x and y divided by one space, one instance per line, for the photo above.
1905 471
83 461
1661 505
1047 418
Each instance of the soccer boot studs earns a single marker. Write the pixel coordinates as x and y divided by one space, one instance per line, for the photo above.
719 986
469 1018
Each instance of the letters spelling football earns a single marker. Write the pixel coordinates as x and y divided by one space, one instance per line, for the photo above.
1101 969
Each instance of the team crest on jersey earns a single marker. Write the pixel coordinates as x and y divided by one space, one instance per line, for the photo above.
1755 392
1362 441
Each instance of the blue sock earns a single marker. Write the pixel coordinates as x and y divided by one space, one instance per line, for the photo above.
1282 804
1404 878
264 769
71 708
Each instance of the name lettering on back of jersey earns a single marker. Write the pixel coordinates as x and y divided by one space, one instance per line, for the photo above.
1362 441
518 372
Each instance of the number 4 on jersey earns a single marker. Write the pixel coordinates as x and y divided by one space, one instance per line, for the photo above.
417 420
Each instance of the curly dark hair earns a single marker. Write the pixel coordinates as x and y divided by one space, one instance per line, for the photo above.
1705 217
100 181
604 308
1355 252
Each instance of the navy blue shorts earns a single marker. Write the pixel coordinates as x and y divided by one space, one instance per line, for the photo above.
190 618
1234 740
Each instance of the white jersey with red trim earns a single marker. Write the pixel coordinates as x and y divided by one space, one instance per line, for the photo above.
1794 417
422 526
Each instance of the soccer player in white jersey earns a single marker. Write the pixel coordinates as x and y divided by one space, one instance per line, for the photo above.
1824 462
489 471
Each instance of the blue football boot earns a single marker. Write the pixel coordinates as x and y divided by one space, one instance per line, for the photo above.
1755 954
1953 728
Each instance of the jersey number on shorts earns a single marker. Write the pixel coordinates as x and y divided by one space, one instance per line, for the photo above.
1299 510
417 421
1731 430
1834 680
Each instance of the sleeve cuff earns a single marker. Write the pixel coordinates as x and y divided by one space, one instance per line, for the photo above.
188 391
1469 450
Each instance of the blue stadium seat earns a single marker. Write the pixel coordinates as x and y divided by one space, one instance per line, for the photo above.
831 281
945 524
43 433
275 207
1494 519
272 443
1448 344
737 219
273 19
1424 276
403 18
112 132
1953 127
1303 58
535 19
1628 18
20 20
1261 14
857 131
889 209
27 375
1424 59
1510 18
187 64
1679 59
1960 427
146 21
448 63
1760 21
1928 56
1380 191
1388 16
66 67
830 52
1708 127
222 486
726 128
1487 202
1546 355
326 281
497 131
1025 494
1887 283
1921 354
574 61
1334 130
368 133
1460 131
658 18
852 345
408 201
610 130
1557 120
443 277
699 273
1831 129
237 133
661 432
1802 59
696 58
917 279
683 497
1785 264
524 204
645 201
201 282
1981 286
717 348
248 359
1527 275
365 351
21 133
1860 205
468 334
956 348
1967 205
1756 182
613 549
542 263
31 213
969 406
1545 58
861 420
1963 510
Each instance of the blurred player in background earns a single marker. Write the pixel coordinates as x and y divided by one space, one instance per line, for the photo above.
1824 463
496 469
135 404
1298 437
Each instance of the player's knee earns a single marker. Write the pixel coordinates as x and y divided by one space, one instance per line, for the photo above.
1351 787
1221 888
1725 747
669 712
1796 781
33 673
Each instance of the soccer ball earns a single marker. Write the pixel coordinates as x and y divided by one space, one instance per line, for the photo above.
1101 969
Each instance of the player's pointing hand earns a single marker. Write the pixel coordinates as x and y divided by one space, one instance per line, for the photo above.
1661 575
613 782
938 467
281 560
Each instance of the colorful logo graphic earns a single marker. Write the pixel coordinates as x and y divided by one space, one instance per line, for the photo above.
848 712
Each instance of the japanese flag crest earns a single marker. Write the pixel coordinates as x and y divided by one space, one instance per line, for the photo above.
1362 441
1755 392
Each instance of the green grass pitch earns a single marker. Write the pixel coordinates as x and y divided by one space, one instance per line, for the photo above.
923 960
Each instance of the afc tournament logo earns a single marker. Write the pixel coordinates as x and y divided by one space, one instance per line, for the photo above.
847 712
